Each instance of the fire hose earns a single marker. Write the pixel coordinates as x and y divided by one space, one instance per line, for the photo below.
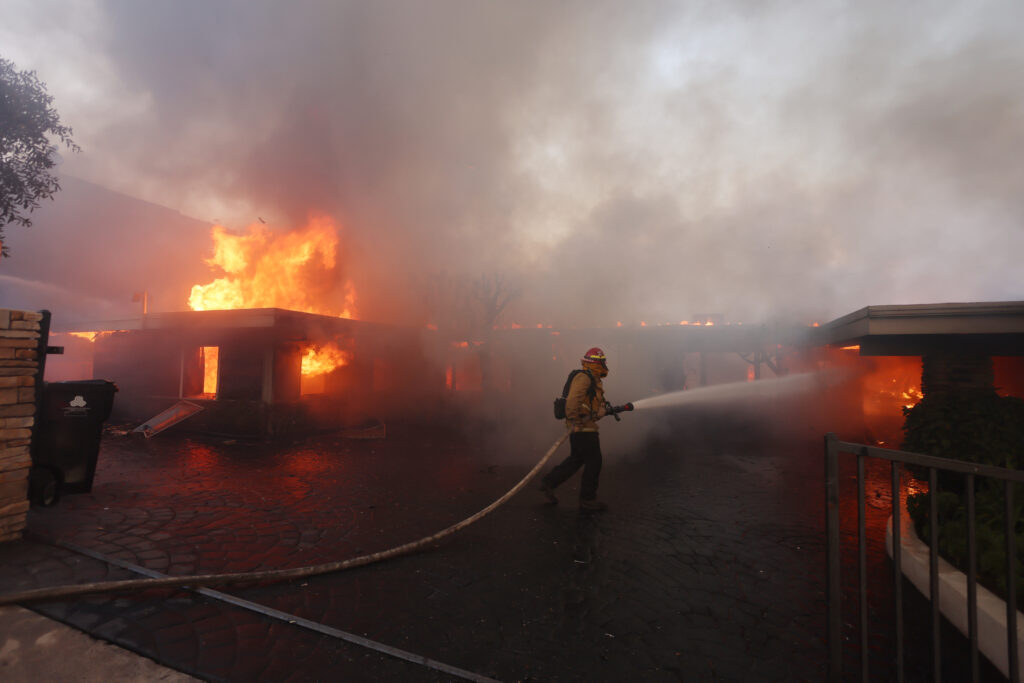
273 575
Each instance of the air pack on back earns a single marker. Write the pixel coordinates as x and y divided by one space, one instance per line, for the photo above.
560 402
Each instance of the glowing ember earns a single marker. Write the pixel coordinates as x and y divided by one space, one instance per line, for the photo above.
319 360
911 397
888 385
296 270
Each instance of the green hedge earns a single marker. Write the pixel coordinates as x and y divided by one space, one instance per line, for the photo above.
979 427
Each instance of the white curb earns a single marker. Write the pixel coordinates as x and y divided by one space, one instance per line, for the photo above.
953 596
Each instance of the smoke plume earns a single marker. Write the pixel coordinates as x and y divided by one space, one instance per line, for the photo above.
622 162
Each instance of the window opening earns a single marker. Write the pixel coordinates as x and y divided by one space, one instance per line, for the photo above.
209 357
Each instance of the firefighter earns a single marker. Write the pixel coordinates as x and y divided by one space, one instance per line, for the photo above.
584 406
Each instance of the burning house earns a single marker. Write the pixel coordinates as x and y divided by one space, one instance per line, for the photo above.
263 371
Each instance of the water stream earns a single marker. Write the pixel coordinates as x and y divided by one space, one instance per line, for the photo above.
762 389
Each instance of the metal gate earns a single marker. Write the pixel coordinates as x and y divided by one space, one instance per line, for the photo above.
834 448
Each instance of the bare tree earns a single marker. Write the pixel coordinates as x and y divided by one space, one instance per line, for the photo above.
493 293
449 302
468 310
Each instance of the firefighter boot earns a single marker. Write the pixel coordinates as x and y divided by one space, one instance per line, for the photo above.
549 495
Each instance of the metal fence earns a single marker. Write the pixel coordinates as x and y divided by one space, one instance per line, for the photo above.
833 449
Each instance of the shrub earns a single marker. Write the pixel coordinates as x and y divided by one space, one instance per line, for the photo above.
983 428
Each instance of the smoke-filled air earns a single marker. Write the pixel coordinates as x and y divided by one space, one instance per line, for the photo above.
604 162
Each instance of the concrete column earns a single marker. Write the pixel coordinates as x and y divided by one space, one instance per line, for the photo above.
956 372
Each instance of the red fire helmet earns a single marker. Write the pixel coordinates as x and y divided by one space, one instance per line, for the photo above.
596 355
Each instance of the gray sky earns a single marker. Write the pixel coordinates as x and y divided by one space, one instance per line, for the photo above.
624 161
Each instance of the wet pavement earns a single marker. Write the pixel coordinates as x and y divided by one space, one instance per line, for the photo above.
709 565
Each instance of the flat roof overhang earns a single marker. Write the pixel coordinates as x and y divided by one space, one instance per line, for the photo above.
286 325
991 328
234 318
265 324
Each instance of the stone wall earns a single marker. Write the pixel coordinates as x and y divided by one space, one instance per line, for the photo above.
19 343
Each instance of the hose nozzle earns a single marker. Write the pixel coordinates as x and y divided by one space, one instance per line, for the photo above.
625 407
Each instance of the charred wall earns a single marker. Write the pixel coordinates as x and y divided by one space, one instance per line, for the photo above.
141 362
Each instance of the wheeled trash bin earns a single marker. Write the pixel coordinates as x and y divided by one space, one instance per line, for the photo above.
66 443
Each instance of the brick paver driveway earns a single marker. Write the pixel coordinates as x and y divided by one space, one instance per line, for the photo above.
707 567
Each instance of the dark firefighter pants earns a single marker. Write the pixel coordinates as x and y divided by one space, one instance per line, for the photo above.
585 452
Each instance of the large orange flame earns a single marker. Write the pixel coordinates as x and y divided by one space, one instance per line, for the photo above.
319 360
296 270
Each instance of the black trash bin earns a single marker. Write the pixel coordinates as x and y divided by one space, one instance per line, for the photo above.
66 442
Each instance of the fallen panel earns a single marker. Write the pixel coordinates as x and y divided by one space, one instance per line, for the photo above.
179 411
